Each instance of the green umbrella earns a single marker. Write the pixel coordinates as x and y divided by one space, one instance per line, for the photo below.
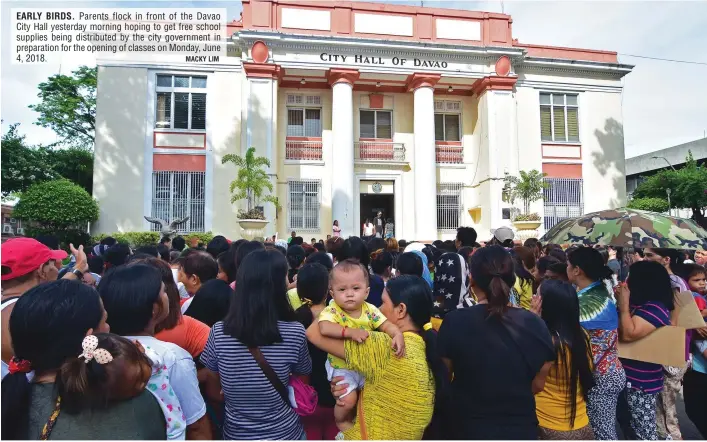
628 228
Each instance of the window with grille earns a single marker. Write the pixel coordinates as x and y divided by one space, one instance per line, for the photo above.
559 117
181 102
376 124
303 122
303 201
563 198
449 205
179 194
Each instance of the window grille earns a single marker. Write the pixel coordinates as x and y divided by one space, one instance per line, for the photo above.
303 203
449 205
564 198
179 194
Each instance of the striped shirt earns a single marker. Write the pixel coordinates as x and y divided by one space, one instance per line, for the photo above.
647 376
254 409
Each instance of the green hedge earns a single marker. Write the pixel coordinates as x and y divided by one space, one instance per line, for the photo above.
139 239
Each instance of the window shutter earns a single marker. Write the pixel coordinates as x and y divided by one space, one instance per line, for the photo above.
198 111
181 110
164 109
572 124
294 99
368 124
453 106
451 127
439 106
383 123
545 123
559 121
314 100
439 127
295 124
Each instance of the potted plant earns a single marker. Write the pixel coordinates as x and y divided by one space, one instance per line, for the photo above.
528 188
250 184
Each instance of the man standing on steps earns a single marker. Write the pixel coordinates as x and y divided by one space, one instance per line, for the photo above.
379 224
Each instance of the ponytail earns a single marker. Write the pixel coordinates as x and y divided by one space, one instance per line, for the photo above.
498 295
15 406
82 385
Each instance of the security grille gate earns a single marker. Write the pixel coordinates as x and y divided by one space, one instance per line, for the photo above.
449 205
563 199
303 204
176 195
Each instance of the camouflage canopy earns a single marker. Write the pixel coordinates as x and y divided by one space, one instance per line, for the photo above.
628 228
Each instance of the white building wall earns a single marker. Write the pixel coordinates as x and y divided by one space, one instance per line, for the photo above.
119 150
528 134
603 158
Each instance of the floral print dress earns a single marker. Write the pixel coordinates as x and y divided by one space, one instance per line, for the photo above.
161 389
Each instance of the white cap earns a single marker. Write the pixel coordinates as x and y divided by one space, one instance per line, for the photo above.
503 234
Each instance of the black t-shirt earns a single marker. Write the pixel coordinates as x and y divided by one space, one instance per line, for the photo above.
495 361
375 295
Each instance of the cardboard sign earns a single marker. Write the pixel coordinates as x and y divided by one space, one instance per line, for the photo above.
686 311
665 346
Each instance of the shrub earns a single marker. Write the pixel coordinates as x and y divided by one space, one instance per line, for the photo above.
251 214
528 217
139 239
651 204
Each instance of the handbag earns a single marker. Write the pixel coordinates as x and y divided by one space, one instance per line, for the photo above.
300 396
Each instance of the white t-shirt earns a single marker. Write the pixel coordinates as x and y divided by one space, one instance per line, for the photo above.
182 375
182 290
368 229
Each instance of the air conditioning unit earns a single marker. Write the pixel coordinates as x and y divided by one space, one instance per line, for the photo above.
20 231
6 228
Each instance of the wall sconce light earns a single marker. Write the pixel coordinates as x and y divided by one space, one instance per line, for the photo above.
303 81
378 84
450 89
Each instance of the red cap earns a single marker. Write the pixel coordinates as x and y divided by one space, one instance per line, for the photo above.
21 256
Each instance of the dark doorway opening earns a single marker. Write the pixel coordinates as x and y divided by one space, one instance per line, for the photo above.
372 203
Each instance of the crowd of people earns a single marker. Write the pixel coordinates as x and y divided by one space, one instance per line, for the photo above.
353 338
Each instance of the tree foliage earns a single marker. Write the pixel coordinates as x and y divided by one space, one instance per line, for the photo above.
21 166
659 205
24 165
56 206
688 186
251 181
528 188
68 106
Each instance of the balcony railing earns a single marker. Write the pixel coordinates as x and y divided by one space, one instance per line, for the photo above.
447 154
379 151
303 150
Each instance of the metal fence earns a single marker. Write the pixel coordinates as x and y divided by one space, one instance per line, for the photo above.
379 151
303 150
564 198
449 205
179 194
304 201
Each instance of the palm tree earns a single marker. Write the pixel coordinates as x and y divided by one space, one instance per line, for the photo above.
529 187
251 181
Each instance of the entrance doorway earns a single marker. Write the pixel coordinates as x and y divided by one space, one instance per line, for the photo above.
372 203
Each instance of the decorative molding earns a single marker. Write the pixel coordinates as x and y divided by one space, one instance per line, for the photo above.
255 70
259 52
418 80
568 87
503 66
348 76
493 83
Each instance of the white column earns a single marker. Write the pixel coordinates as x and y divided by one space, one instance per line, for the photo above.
425 169
343 157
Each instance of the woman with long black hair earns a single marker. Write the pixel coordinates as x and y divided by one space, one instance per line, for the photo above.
500 356
561 406
597 314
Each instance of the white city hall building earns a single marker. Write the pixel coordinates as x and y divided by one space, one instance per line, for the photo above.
360 107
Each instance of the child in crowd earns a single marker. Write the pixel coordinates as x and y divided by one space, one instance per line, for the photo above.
114 368
696 277
349 316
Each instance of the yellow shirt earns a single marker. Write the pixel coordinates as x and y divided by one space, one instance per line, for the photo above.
370 319
525 293
398 398
293 297
551 405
